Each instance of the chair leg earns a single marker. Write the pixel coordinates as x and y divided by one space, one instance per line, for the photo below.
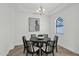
56 49
41 52
26 54
32 54
24 50
37 53
46 54
53 53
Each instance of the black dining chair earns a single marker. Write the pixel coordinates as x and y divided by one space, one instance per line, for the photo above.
30 48
56 42
24 43
49 48
33 37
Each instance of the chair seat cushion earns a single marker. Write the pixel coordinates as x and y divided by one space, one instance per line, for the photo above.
36 48
43 48
30 49
49 49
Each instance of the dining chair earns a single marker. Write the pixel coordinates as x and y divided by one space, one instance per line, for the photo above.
24 43
35 44
56 42
49 48
30 48
33 37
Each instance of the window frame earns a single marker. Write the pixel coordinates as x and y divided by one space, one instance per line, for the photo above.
60 26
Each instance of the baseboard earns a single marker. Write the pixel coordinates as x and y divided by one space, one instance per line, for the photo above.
69 50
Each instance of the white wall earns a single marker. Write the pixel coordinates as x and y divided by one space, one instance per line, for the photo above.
6 15
14 24
70 39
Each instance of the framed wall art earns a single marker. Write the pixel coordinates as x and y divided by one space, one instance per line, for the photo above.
34 24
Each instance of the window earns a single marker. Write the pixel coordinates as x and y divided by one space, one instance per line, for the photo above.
59 25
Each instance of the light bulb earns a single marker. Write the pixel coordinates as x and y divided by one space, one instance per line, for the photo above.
43 10
37 10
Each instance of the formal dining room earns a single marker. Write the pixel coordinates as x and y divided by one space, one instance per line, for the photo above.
39 29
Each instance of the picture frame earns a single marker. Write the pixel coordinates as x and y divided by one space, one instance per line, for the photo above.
34 24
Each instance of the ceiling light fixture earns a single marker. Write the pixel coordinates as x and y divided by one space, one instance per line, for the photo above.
40 10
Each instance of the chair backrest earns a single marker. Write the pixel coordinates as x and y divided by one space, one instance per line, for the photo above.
45 35
50 44
24 41
30 46
56 39
33 35
29 43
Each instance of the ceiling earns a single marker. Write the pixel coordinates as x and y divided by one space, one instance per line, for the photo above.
31 7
